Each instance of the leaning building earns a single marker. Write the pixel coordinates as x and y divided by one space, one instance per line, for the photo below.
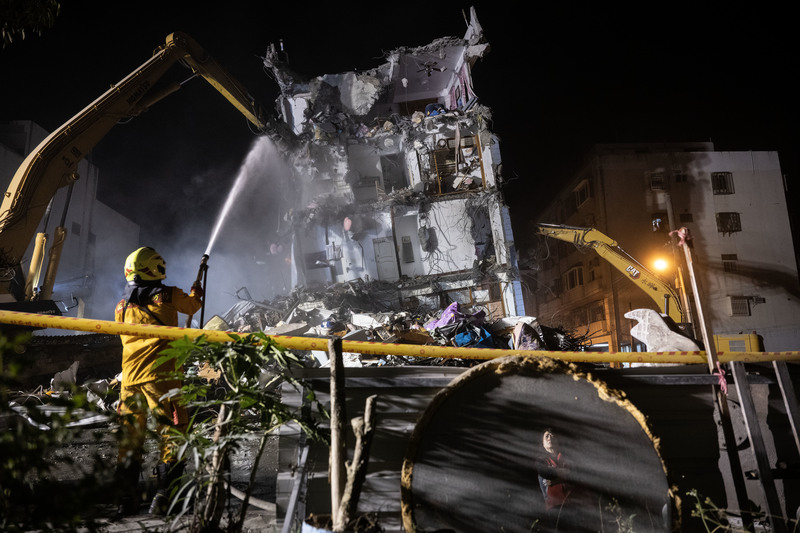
395 181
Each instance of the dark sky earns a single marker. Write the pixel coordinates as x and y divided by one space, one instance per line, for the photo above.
559 78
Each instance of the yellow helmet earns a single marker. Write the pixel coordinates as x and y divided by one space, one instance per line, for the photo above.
145 264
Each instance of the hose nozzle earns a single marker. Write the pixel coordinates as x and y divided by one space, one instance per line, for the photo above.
203 268
201 284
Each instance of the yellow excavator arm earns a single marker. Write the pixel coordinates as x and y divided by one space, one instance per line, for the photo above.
53 164
607 248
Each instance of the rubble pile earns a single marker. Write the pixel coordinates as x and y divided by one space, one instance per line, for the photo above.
362 311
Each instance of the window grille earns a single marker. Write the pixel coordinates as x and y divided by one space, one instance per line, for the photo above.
658 181
740 306
730 262
728 222
722 182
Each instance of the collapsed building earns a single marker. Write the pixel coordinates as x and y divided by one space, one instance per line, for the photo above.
398 179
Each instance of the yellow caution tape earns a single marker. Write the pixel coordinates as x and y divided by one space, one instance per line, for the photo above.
34 320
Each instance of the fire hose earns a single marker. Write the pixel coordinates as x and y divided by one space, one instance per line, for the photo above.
33 320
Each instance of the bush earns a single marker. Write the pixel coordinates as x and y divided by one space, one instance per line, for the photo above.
243 393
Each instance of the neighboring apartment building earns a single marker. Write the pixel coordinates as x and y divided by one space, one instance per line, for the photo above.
89 280
735 208
394 178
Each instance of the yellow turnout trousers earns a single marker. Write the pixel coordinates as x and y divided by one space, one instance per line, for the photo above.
135 401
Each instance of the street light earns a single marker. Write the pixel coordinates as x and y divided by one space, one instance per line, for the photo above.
661 264
664 267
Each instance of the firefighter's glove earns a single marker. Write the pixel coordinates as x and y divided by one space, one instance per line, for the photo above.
197 290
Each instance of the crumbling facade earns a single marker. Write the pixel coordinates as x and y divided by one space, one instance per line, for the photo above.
396 176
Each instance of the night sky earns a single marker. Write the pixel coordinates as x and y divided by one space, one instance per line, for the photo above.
558 79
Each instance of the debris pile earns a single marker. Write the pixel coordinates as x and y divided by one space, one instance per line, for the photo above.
361 311
42 407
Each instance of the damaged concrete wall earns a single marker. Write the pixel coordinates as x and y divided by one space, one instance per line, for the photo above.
449 246
394 172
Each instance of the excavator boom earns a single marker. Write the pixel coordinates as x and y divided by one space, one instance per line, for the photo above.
607 248
53 164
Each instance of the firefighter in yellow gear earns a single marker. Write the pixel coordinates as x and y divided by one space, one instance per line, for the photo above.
144 384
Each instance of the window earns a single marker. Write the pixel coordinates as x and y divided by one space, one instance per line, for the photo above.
722 182
597 312
582 192
557 287
740 306
737 345
593 274
729 263
462 296
728 222
316 260
680 176
563 249
658 181
573 278
333 252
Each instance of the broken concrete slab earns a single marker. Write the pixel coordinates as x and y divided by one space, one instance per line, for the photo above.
652 329
289 329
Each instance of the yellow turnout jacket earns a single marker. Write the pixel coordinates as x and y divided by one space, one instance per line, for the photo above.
140 353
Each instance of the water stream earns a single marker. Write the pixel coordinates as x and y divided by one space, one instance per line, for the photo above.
251 169
247 224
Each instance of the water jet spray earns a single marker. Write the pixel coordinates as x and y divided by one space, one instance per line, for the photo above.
202 277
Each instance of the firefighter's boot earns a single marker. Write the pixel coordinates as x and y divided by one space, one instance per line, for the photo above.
129 496
168 474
